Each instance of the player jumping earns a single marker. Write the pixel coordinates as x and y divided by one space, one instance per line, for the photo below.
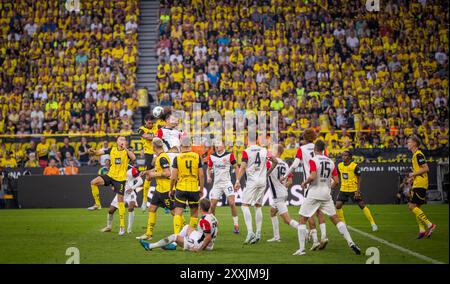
279 194
220 163
350 175
322 173
190 239
120 157
134 181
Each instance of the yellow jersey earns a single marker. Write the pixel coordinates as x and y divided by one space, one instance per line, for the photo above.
420 181
148 148
349 176
187 164
42 150
162 162
11 163
119 164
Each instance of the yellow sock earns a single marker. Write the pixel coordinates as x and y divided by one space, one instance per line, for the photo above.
193 222
121 214
368 215
95 194
421 226
177 224
421 216
151 223
340 213
145 191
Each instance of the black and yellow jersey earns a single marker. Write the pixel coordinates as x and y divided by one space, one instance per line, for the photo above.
119 164
187 164
162 163
148 149
420 181
349 176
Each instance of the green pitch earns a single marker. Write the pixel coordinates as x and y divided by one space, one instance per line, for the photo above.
44 235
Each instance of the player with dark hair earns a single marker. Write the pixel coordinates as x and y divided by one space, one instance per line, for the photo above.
350 174
190 239
418 192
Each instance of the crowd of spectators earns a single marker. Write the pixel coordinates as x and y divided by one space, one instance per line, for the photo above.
363 79
67 72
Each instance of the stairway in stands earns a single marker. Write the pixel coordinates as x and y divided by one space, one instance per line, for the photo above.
148 38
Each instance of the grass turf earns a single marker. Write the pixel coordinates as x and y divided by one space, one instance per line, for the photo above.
43 235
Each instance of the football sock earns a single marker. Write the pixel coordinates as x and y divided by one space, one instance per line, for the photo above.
368 215
421 215
151 223
344 232
177 224
235 220
275 226
193 222
421 225
95 194
314 235
302 236
340 213
258 219
323 231
293 224
247 218
109 220
145 189
130 220
163 242
121 214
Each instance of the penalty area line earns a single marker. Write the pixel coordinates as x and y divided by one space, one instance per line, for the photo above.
397 247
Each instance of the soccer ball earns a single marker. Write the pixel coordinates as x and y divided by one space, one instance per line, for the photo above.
158 111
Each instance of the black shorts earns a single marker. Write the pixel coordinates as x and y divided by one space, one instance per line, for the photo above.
119 186
148 161
162 200
191 197
345 196
418 195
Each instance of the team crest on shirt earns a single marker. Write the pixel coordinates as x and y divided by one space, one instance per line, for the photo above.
118 161
224 160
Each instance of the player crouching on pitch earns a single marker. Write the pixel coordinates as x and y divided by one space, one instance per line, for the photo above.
134 181
190 239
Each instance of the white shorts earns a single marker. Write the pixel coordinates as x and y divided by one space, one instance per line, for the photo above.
253 194
279 204
128 198
192 241
310 207
218 191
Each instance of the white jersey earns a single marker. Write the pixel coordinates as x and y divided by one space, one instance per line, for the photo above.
221 166
276 187
207 225
324 167
171 138
133 182
256 159
305 153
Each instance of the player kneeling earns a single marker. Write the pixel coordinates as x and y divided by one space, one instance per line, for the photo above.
193 240
279 194
134 181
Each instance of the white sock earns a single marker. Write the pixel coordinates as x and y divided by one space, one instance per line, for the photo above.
344 232
130 220
323 231
235 220
163 242
258 220
293 224
314 236
109 220
302 236
275 226
247 219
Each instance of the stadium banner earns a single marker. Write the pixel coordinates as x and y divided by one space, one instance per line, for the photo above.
379 185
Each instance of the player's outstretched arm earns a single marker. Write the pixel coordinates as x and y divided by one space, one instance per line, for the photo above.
96 152
201 181
206 241
291 169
